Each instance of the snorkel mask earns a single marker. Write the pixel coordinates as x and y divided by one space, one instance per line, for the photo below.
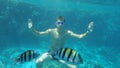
58 24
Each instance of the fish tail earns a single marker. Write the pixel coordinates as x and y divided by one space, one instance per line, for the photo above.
14 62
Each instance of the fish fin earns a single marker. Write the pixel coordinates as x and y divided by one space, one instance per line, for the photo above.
55 58
14 61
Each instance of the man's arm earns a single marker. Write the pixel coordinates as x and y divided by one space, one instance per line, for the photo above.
40 33
35 31
77 35
90 28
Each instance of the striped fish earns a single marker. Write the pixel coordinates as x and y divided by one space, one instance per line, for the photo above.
67 54
26 56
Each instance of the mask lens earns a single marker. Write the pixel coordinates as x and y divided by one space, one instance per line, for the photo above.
59 23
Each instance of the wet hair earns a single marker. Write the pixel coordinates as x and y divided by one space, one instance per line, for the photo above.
61 18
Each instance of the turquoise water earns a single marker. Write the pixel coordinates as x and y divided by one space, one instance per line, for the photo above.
100 49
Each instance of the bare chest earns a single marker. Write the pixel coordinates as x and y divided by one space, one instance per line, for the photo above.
59 35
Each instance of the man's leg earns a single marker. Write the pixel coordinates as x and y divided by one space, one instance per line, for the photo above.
47 57
43 58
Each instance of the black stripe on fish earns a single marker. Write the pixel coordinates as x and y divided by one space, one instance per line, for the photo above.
60 51
74 57
21 58
27 56
34 54
30 55
80 58
18 59
63 49
57 52
69 54
24 57
63 55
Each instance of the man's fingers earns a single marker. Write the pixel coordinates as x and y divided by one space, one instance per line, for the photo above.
90 26
29 23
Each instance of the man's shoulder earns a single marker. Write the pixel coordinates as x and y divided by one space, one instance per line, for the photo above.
53 29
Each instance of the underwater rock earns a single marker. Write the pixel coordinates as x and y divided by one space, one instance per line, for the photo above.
2 65
2 61
93 64
97 65
9 52
8 55
53 64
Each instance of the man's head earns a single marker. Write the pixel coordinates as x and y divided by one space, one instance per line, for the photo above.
60 21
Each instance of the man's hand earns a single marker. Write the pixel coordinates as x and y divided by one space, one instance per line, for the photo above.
90 27
29 23
70 32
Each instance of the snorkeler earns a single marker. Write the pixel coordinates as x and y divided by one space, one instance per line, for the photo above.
59 35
